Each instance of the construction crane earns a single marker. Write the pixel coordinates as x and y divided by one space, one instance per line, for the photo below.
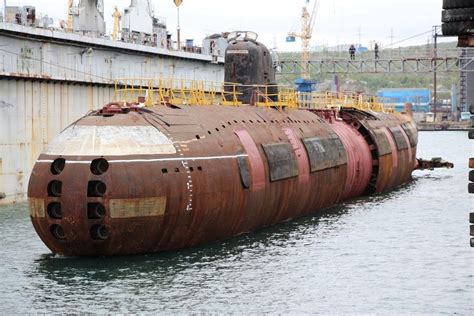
70 15
307 26
117 17
150 9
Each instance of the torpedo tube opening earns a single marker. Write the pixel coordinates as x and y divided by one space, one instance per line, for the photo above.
96 189
55 188
99 166
99 232
95 211
54 210
58 232
58 166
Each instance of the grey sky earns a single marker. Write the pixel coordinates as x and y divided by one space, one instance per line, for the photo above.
337 21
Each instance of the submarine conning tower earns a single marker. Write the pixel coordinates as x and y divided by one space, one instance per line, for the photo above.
171 166
249 63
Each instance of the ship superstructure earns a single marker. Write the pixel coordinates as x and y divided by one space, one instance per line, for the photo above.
53 71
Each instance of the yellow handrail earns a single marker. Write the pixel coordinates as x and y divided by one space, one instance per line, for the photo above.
150 91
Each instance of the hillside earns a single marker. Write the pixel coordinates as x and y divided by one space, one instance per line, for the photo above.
370 83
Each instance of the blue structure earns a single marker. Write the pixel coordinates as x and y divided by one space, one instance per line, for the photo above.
420 98
304 85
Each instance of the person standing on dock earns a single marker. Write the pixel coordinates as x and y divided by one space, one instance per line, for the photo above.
376 51
352 51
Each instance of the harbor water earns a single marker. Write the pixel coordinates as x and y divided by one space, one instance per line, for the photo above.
405 251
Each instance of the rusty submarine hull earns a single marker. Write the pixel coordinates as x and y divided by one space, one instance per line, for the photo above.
128 179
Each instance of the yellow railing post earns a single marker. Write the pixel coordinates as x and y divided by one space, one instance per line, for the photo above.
194 92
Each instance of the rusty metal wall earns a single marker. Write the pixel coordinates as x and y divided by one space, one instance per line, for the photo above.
200 181
31 114
359 160
394 138
186 188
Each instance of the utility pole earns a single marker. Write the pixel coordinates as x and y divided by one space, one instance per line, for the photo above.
435 77
391 42
4 11
360 37
178 3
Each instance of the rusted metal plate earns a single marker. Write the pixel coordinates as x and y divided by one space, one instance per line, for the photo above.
172 120
393 147
383 146
244 171
143 207
300 152
281 161
36 207
412 133
89 140
359 159
399 139
325 153
256 163
411 156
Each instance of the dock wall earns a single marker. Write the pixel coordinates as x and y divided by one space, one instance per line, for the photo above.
49 79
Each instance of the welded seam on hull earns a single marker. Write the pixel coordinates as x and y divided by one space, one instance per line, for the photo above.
153 160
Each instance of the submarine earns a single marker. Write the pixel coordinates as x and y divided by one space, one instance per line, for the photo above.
133 179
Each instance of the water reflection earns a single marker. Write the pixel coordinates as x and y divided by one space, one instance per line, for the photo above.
269 241
371 255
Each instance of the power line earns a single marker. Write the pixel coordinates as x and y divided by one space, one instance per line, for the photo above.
408 38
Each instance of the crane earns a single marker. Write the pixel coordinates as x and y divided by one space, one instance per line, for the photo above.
307 26
70 15
117 17
150 9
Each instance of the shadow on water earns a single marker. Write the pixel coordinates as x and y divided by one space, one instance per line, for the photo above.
71 271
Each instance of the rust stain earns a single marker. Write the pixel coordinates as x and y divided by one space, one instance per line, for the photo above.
301 156
142 207
36 207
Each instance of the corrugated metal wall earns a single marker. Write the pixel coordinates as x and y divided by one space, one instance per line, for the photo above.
31 113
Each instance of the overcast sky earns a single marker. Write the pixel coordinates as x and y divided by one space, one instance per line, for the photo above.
337 21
